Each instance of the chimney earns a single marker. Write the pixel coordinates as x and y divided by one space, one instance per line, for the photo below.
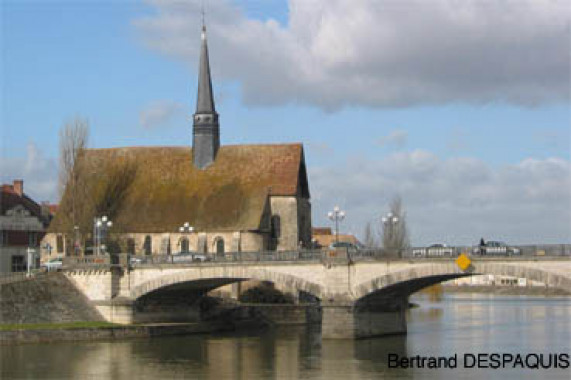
19 186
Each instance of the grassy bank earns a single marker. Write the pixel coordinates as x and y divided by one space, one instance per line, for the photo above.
56 326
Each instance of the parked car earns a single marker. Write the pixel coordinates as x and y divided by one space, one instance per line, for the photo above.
199 257
434 250
351 247
186 257
53 265
135 260
495 248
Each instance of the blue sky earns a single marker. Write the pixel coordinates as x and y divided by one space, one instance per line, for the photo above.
129 67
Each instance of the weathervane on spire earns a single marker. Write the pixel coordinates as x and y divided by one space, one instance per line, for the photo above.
202 14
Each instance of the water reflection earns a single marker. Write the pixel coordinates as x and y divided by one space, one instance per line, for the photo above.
454 325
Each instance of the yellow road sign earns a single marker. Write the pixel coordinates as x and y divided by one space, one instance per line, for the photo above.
463 262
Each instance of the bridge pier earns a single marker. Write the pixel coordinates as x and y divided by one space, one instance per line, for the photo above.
116 311
364 319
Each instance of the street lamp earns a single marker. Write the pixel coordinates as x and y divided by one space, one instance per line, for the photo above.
336 216
31 257
76 240
186 228
390 219
389 222
100 227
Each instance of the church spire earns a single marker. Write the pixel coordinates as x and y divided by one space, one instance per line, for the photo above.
205 101
206 130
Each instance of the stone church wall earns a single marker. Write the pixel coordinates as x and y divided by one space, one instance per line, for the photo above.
304 221
286 208
233 241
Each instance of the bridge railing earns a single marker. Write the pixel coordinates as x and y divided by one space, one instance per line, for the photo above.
90 262
317 255
531 250
367 254
9 278
228 257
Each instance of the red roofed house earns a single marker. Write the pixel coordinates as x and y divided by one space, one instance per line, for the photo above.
23 223
324 237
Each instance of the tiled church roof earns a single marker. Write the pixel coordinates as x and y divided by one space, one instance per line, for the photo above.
157 189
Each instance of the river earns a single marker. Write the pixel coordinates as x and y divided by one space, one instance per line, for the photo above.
441 326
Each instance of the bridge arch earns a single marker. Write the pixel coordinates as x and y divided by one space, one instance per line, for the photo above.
415 278
226 275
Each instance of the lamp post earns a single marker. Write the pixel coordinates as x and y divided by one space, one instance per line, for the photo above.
336 216
389 223
100 227
186 228
31 256
76 240
48 248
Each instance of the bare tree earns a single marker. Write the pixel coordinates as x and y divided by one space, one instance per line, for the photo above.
73 138
394 231
370 240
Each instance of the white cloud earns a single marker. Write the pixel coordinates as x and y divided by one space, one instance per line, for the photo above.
334 53
38 172
456 200
159 113
397 139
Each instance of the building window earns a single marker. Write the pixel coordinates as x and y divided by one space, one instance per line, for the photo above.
219 246
3 238
32 239
131 246
184 245
18 264
59 244
148 245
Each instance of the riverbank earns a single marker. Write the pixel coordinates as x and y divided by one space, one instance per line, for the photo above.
505 290
82 331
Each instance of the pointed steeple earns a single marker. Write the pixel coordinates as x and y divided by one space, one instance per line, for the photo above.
206 130
205 101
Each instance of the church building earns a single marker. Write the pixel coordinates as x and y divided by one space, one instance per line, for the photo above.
235 197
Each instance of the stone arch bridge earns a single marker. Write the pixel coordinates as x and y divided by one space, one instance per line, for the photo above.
359 298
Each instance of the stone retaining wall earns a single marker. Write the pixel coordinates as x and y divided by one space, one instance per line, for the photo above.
45 299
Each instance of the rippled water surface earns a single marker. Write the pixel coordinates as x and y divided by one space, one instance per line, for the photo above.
453 324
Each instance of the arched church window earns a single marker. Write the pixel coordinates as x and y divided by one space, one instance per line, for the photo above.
219 246
184 245
131 246
148 245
